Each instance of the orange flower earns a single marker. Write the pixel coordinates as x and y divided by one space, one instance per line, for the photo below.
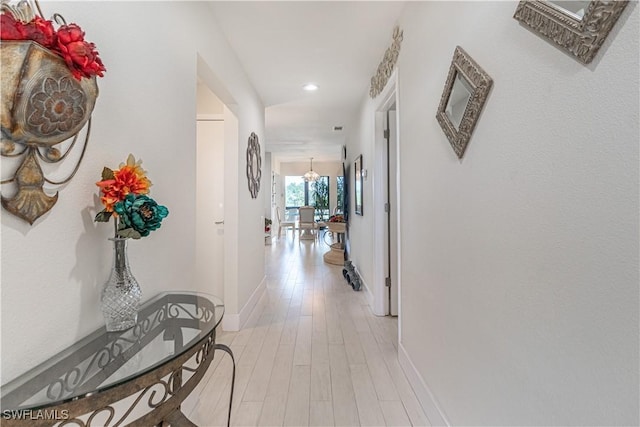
130 178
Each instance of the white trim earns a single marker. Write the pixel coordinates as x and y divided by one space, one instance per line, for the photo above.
235 322
426 398
398 205
385 100
380 303
367 292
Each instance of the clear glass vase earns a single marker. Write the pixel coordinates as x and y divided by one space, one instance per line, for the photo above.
121 294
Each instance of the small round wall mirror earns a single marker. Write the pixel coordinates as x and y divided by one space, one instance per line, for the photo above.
254 164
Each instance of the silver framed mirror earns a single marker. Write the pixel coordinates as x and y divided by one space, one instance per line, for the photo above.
579 26
463 98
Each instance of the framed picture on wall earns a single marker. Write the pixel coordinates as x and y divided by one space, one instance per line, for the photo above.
358 185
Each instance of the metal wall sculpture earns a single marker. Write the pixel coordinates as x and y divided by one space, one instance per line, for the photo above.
387 64
581 34
254 165
42 105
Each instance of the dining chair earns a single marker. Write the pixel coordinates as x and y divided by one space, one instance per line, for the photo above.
284 224
307 225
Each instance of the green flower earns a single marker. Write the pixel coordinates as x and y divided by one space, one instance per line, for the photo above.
139 214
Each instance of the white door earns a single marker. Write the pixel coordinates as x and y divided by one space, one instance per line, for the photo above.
210 206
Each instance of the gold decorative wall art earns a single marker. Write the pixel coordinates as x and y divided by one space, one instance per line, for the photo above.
385 69
46 100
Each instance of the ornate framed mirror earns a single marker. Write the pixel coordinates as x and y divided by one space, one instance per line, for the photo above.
579 26
464 95
254 165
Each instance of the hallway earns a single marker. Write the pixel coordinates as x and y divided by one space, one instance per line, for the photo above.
311 354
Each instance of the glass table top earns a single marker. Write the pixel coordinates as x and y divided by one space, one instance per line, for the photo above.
168 325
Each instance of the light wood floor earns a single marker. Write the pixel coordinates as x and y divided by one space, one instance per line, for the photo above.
311 354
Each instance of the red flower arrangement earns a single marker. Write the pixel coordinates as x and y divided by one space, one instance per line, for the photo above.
337 218
68 42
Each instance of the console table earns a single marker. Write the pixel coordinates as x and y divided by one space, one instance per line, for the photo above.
137 377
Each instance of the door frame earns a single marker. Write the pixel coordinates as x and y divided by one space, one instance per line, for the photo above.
387 98
232 320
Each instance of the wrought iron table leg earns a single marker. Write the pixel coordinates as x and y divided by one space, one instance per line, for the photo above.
227 350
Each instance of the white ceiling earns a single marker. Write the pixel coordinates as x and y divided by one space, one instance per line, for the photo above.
283 45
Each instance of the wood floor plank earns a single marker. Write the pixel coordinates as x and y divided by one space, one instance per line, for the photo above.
193 400
319 310
320 381
321 413
275 402
345 411
257 386
248 414
385 388
311 353
368 406
297 412
254 345
359 313
405 391
216 391
307 303
273 411
221 410
394 414
302 354
290 330
319 347
352 342
332 319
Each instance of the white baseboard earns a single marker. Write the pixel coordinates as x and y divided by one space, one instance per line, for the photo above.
365 288
367 293
423 392
234 322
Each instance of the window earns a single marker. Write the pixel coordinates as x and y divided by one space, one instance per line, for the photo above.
300 193
294 196
319 197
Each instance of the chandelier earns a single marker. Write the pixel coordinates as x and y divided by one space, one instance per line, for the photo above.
311 176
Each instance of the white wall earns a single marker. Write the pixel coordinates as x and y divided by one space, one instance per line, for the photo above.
519 292
53 271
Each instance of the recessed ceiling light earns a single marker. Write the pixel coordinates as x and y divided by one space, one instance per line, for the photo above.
310 87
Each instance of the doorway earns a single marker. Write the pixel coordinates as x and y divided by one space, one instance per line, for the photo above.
391 209
210 171
386 201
